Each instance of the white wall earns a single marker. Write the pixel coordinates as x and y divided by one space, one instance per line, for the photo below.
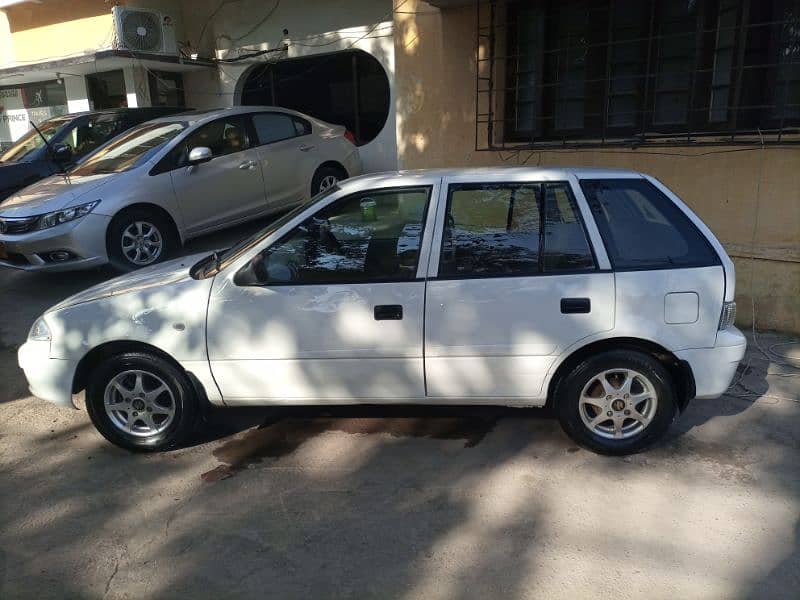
77 93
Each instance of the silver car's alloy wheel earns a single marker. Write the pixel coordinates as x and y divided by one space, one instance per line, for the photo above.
618 403
328 182
142 243
139 403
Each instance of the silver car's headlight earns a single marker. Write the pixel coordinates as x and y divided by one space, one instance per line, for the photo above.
40 332
63 216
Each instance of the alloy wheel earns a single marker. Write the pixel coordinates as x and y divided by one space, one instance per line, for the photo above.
618 403
328 182
139 403
142 243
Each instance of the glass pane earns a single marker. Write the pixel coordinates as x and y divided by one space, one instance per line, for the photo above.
642 228
272 127
224 136
372 236
565 244
491 230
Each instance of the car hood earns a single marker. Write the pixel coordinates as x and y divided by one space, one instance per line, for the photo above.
13 175
52 193
158 275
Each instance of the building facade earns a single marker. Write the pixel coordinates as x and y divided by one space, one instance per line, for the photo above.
703 94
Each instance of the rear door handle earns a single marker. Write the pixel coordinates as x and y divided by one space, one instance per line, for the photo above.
248 164
388 312
304 148
571 306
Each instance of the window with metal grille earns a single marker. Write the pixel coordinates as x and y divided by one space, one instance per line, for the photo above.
594 72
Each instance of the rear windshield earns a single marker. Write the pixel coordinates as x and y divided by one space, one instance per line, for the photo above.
642 228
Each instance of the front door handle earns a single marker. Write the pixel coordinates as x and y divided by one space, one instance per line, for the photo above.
248 164
305 148
570 306
389 312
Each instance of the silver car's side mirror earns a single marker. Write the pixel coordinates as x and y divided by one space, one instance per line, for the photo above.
200 154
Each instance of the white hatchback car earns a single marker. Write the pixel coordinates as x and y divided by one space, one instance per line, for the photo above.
599 291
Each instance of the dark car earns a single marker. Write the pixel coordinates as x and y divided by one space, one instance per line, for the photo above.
69 138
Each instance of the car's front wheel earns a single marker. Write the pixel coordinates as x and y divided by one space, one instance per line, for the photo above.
616 402
141 402
139 238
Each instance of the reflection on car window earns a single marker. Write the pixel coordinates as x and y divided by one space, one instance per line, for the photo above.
370 236
85 138
29 142
274 127
498 230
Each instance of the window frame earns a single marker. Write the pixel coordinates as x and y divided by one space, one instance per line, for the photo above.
445 200
429 188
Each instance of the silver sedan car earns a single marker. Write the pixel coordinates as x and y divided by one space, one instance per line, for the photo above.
140 197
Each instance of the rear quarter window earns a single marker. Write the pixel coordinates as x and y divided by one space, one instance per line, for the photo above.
642 228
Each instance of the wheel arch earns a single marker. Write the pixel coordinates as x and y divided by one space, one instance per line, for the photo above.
680 371
333 164
106 350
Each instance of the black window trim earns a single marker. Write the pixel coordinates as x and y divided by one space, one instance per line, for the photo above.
540 272
717 262
428 188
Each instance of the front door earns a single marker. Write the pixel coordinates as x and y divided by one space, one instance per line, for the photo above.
228 188
514 285
333 310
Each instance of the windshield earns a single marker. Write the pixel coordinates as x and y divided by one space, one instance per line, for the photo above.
228 256
32 141
130 149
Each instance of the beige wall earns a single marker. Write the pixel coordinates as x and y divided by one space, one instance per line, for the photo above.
750 197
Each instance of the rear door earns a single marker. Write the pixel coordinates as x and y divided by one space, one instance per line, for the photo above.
512 282
287 152
228 188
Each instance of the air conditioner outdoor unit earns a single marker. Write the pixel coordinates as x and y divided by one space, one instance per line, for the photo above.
144 31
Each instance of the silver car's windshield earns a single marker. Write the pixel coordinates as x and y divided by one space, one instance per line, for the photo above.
130 149
31 141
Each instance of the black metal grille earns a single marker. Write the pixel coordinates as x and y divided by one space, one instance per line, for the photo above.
589 73
16 226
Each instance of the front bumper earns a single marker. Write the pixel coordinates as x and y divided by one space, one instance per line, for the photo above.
714 368
48 378
84 239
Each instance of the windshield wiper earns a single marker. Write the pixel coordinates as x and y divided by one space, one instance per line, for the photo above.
50 150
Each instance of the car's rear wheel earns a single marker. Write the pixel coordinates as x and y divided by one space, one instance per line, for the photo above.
141 402
616 402
139 238
325 178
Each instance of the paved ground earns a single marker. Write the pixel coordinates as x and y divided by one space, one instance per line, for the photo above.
386 503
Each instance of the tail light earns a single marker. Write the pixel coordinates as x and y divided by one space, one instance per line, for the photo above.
728 315
348 135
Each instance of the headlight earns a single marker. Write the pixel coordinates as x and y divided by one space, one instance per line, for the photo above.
63 216
40 332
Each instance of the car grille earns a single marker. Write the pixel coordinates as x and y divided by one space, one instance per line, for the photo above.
11 226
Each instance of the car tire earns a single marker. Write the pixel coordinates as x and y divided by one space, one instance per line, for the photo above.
325 177
139 232
141 402
633 411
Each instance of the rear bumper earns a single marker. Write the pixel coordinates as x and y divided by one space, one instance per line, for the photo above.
48 378
714 368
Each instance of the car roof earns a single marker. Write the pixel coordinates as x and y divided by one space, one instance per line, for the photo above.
497 174
120 111
197 117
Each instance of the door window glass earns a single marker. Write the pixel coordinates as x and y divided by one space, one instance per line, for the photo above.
85 138
223 136
274 127
494 230
643 228
565 245
367 237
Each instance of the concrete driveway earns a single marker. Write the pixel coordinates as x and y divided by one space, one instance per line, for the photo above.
397 502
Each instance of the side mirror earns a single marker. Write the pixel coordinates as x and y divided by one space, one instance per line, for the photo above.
61 153
199 155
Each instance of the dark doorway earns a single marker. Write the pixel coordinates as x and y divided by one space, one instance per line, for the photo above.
107 90
347 88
